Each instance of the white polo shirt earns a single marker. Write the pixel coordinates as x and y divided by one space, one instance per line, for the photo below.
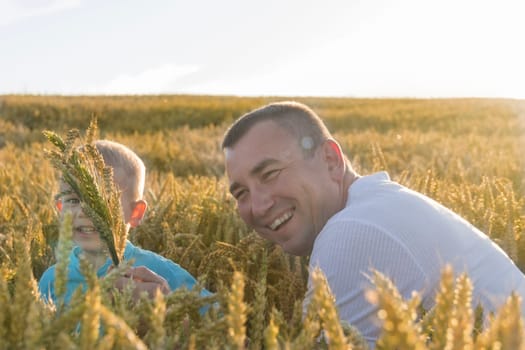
409 238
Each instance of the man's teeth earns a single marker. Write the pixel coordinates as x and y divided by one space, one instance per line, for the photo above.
279 221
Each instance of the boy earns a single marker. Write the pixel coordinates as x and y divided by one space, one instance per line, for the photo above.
150 271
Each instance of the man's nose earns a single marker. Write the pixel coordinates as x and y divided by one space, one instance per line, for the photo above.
261 202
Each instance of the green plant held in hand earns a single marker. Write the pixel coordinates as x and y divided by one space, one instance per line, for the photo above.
83 169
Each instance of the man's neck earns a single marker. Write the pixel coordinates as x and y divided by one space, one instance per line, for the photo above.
349 178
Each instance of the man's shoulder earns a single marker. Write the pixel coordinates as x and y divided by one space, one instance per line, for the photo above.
363 211
350 233
347 225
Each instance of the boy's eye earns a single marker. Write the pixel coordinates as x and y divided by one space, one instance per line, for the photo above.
66 199
62 202
72 201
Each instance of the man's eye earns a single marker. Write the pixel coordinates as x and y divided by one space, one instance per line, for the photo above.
238 194
271 174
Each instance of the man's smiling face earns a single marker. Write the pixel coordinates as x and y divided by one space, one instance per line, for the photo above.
283 195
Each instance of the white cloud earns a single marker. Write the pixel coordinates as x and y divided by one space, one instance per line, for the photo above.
14 10
162 79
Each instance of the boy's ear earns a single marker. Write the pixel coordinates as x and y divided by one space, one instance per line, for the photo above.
58 205
139 209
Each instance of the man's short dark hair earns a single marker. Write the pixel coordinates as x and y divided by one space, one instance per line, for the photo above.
298 119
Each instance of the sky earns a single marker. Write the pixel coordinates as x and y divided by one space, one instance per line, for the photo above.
348 48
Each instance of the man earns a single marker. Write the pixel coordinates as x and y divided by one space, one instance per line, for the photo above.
295 187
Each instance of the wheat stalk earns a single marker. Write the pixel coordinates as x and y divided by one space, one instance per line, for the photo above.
84 171
236 317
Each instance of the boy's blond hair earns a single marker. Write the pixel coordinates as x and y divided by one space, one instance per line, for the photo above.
118 156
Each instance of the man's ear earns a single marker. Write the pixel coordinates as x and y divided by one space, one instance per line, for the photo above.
333 156
139 209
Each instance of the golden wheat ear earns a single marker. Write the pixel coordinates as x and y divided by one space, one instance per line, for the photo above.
83 169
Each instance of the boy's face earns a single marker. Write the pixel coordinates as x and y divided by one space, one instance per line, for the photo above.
85 234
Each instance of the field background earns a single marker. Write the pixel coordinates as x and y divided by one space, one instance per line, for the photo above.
465 153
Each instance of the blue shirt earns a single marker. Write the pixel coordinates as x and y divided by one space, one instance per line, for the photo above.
175 275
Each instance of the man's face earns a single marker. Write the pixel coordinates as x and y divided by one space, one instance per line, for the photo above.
85 234
282 195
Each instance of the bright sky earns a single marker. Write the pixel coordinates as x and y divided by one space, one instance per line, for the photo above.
361 48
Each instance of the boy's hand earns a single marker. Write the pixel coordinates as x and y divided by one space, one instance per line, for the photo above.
142 280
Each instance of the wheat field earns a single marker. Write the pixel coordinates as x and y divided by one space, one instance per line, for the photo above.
465 153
